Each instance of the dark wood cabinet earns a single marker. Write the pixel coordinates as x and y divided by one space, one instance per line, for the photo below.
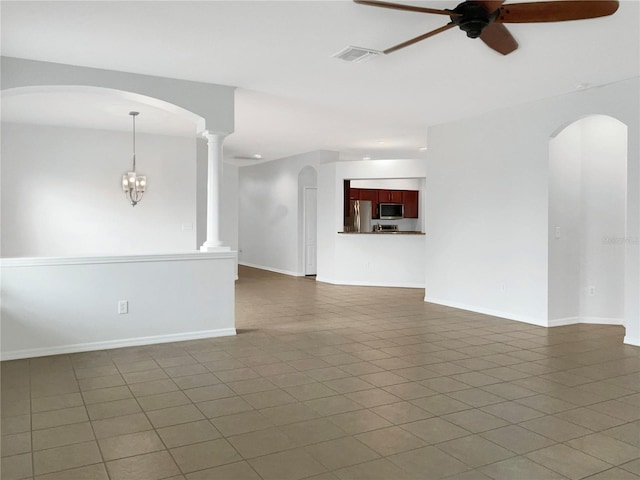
410 201
354 194
390 196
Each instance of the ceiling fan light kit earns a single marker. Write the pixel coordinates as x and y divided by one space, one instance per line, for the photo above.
484 19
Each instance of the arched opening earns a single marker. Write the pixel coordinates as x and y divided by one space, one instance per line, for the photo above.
65 149
587 221
307 220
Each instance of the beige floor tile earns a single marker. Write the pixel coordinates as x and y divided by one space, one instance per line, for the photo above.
621 410
310 391
428 459
555 428
137 366
629 433
568 462
381 469
90 472
117 408
188 433
546 404
56 402
270 398
16 467
291 379
312 431
152 388
475 451
288 465
614 473
241 423
359 421
327 373
435 430
440 404
262 442
224 406
91 372
184 370
475 420
475 397
606 448
290 413
64 435
203 455
163 400
54 418
19 424
111 427
243 387
590 419
233 471
401 412
512 412
341 452
520 468
129 445
174 416
210 392
632 466
15 443
103 395
332 405
94 383
517 439
151 466
63 458
390 440
410 390
373 398
195 381
444 384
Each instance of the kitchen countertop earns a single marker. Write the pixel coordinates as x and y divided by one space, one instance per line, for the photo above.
383 233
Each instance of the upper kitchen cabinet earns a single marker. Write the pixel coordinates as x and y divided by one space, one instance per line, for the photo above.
410 201
354 194
390 196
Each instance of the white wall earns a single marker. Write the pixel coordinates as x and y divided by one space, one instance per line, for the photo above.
380 260
53 306
587 196
269 220
62 196
487 194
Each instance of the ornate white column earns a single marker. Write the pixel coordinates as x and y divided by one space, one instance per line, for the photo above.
214 178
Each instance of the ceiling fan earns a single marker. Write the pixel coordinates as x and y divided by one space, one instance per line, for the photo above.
485 18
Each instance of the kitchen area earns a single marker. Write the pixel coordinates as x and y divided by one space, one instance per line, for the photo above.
382 206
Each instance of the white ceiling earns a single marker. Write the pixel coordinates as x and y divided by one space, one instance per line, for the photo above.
292 96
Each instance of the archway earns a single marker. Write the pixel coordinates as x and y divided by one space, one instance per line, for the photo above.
587 222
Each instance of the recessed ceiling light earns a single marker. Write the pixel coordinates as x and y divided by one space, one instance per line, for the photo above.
423 149
381 142
366 158
257 156
582 86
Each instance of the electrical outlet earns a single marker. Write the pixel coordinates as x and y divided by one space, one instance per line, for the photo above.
503 287
123 307
557 232
592 291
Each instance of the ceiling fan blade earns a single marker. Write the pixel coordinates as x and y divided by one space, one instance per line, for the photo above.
556 11
420 38
497 36
490 5
408 8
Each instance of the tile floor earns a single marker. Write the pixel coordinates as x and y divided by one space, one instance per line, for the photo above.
330 382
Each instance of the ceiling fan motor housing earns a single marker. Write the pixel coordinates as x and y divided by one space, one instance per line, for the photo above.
473 18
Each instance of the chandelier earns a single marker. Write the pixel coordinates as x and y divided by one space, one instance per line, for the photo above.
134 185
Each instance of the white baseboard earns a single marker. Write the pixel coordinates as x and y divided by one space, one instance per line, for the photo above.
488 311
271 269
635 341
110 344
369 283
559 322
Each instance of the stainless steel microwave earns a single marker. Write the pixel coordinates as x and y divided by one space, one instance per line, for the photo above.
391 211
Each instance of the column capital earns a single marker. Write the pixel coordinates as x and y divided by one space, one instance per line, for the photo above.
210 135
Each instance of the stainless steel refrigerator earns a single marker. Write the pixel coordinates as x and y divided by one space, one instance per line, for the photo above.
359 219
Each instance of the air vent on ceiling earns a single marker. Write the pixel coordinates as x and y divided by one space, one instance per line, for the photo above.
356 54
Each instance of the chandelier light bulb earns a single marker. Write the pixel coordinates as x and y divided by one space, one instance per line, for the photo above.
134 185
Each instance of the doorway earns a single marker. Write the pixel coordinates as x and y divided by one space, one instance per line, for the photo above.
310 221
